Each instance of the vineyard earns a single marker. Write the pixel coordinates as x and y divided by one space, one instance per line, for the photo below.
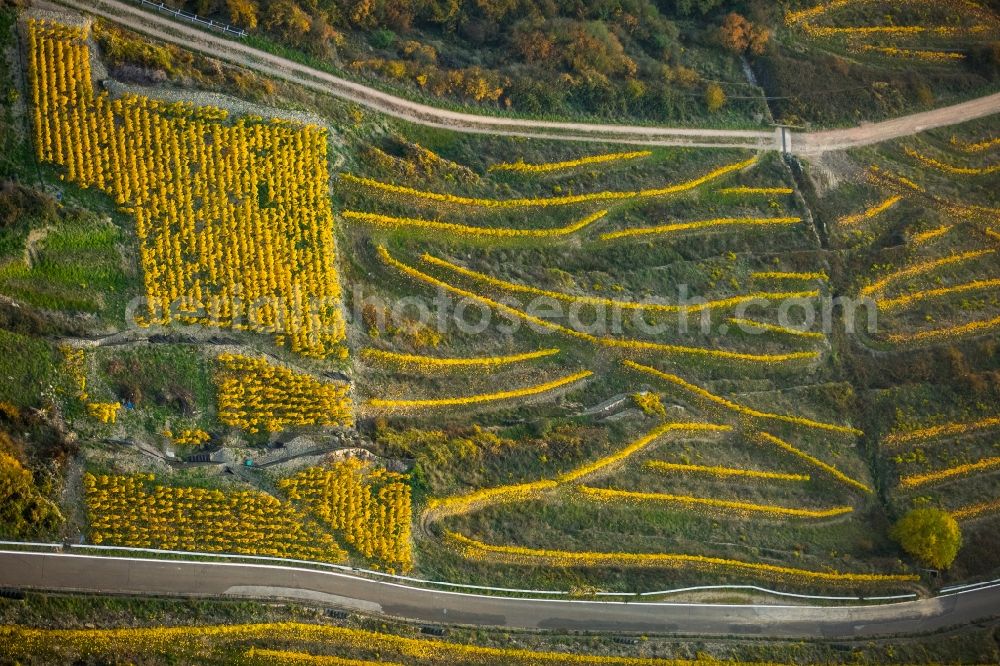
937 310
933 34
367 510
372 510
243 218
134 511
254 644
510 361
255 636
254 394
888 58
943 270
247 218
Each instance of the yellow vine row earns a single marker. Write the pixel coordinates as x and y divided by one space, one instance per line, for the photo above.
632 345
922 268
518 555
466 230
520 165
611 494
563 200
379 403
791 18
637 445
951 332
966 6
941 431
787 275
702 224
522 491
287 658
736 407
456 504
891 30
916 54
75 365
724 472
975 146
27 643
756 190
433 362
915 480
908 299
955 208
773 328
877 175
973 511
829 469
952 168
612 303
871 212
931 234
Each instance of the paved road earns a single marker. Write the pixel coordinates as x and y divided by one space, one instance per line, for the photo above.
239 53
123 575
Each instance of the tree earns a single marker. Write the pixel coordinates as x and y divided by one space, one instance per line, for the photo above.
242 12
289 20
930 535
715 97
23 509
688 7
740 35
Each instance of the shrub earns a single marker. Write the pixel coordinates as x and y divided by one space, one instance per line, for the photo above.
715 97
930 535
382 38
649 403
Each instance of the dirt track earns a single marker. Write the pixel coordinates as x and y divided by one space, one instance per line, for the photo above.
146 21
819 142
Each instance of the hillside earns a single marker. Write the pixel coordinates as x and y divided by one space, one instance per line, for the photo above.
245 320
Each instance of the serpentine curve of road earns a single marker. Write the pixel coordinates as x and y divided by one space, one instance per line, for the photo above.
186 578
238 53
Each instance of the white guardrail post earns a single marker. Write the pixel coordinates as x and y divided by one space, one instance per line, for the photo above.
180 13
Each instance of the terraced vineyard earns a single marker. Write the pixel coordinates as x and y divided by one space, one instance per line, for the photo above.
931 35
543 483
932 273
888 58
516 362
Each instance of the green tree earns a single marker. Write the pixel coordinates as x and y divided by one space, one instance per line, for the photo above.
930 535
715 97
689 7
